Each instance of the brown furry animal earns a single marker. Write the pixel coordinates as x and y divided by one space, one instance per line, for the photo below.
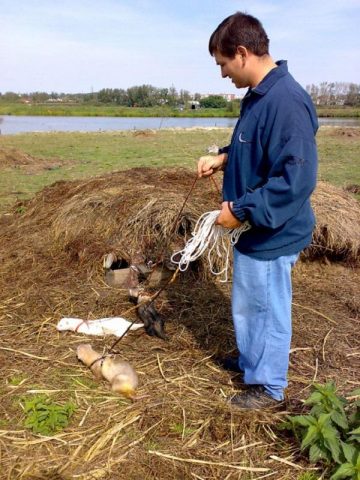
120 374
152 320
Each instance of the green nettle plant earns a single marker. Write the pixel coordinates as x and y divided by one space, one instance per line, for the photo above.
331 431
46 417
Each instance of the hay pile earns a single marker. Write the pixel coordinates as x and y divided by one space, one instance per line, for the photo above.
125 212
337 232
136 210
14 158
181 425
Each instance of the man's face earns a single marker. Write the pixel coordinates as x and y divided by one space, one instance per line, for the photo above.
232 68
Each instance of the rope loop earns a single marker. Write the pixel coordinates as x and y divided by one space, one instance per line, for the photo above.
212 238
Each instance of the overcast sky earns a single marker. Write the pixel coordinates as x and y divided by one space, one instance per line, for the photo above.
83 45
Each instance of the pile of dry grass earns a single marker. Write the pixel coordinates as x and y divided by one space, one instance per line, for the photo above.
125 212
337 232
11 157
125 220
136 210
14 158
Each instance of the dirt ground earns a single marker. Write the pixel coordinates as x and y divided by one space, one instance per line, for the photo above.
180 426
348 132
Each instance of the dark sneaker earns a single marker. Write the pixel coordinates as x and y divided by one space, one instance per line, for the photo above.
255 398
230 363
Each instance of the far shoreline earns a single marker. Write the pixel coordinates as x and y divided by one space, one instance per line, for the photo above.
78 110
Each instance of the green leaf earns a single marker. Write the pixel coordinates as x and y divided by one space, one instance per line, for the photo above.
333 444
339 419
354 438
317 410
338 402
45 417
354 435
350 452
330 436
315 398
324 420
318 452
344 471
324 389
303 420
29 422
311 436
326 397
354 419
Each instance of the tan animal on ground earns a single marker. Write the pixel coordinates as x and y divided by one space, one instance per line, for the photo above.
120 374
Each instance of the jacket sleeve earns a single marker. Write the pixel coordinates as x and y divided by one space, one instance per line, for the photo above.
224 149
289 184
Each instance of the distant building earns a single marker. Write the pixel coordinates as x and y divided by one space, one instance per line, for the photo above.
228 96
194 104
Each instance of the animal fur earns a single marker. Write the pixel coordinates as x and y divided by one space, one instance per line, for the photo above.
152 320
103 326
120 374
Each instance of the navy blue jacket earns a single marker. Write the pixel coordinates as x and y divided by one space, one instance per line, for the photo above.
272 166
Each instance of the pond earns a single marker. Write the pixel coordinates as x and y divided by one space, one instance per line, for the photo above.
11 124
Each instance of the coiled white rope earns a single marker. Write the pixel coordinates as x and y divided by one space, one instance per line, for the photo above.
211 237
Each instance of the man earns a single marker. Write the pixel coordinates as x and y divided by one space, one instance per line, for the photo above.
269 174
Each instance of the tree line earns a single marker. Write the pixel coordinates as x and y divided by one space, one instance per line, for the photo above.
136 96
335 93
326 94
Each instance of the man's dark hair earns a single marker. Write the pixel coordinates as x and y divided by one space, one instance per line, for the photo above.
239 29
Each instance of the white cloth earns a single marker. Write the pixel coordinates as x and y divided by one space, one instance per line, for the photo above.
103 326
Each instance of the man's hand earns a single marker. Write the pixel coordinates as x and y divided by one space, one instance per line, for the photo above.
210 164
226 218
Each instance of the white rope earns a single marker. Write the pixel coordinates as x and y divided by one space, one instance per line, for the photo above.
211 237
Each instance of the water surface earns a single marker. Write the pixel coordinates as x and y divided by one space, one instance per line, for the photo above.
11 124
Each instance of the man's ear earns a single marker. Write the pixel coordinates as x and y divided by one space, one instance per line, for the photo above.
242 51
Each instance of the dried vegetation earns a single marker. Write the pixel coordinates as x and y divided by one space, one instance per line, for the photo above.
180 426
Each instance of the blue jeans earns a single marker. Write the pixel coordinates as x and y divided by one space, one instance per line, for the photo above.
261 310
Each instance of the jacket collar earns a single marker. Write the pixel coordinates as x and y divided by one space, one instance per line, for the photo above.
271 78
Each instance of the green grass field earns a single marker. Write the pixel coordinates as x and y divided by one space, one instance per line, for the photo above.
89 154
76 110
103 110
